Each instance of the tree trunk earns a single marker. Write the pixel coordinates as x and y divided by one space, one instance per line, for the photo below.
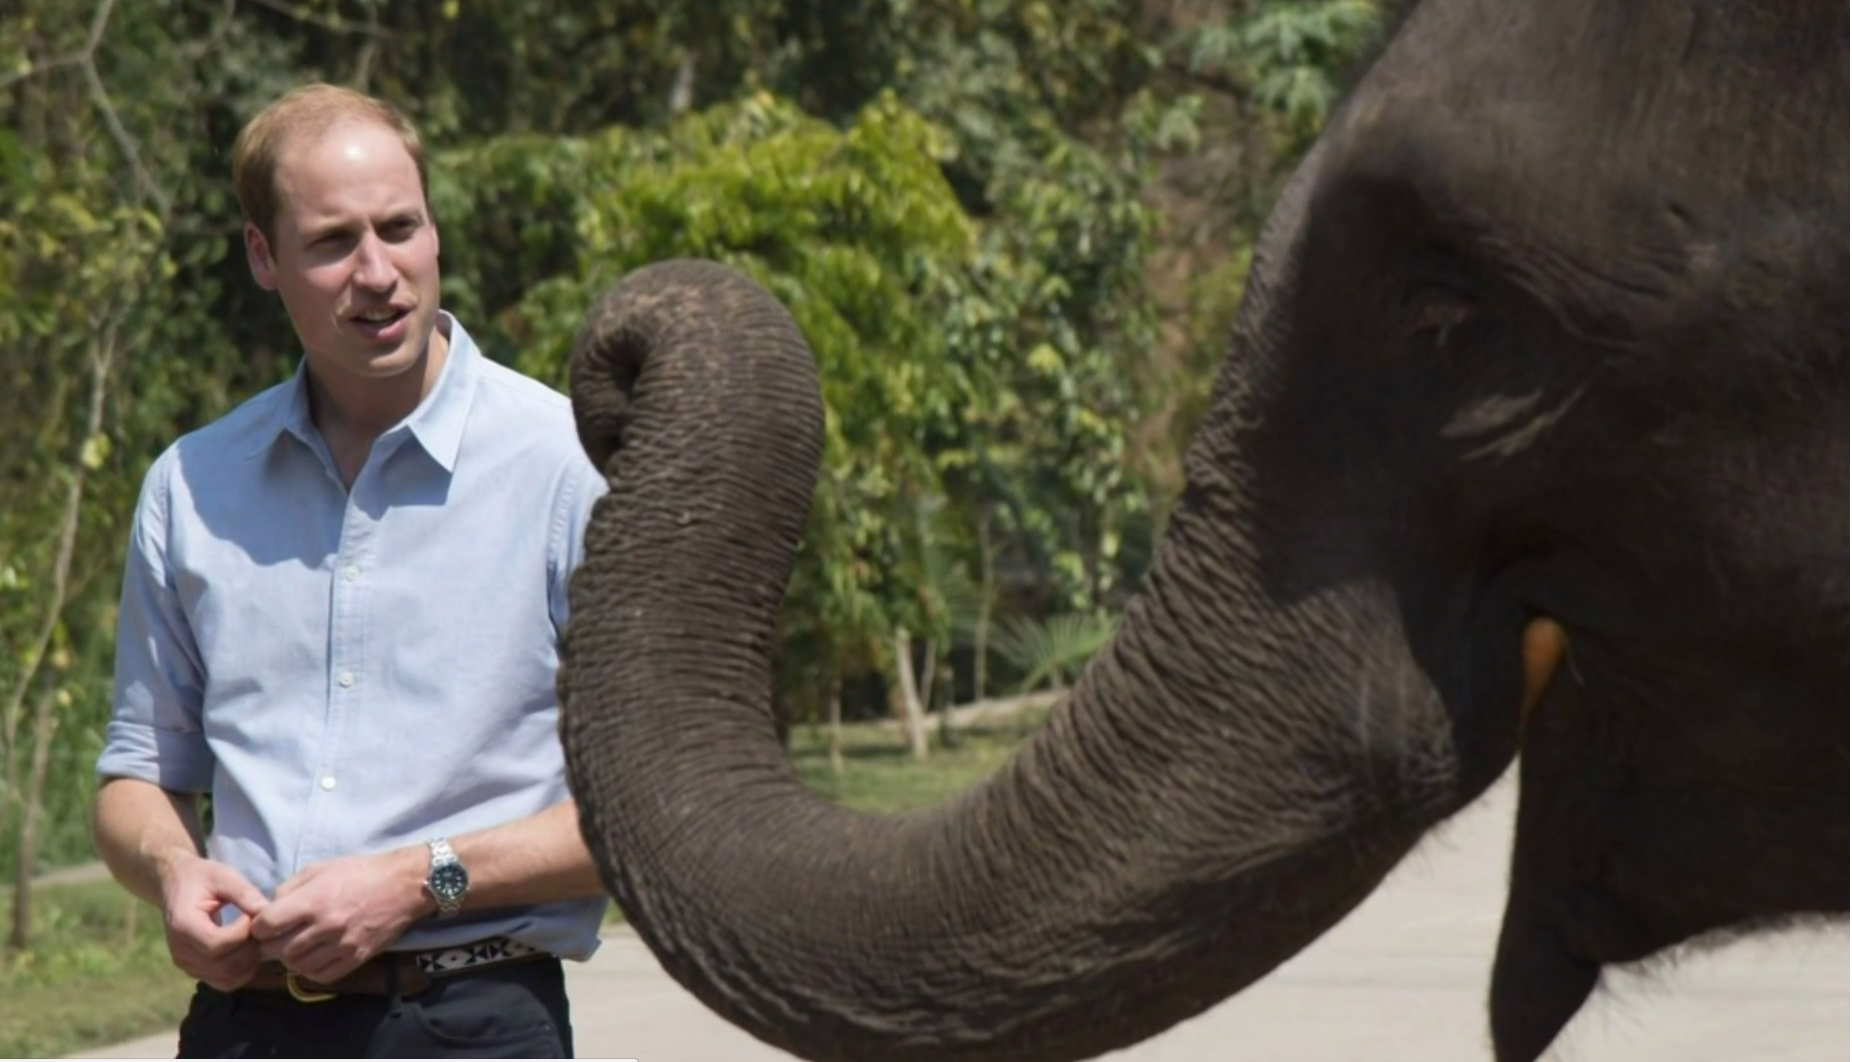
44 725
947 735
681 93
980 649
102 363
910 711
929 674
835 695
11 792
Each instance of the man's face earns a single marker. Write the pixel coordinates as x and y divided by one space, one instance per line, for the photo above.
355 251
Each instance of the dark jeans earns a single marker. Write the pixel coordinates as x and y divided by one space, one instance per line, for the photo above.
513 1010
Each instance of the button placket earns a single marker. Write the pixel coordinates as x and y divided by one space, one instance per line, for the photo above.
346 666
346 638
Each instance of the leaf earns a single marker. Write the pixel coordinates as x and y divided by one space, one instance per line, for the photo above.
1053 651
95 451
1045 360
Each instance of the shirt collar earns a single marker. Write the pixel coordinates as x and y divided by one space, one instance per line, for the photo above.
438 421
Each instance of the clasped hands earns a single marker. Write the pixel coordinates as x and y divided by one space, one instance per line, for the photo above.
323 923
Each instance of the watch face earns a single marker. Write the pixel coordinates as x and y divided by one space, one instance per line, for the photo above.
449 881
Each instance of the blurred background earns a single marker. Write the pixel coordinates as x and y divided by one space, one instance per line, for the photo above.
1014 233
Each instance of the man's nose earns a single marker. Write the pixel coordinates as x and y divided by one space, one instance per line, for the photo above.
373 267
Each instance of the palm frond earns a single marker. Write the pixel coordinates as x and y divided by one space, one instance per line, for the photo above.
1055 650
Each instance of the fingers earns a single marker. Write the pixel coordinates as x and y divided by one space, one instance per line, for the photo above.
318 952
229 886
286 932
223 956
207 886
324 963
233 970
288 914
328 919
288 945
312 950
216 939
321 923
303 877
226 963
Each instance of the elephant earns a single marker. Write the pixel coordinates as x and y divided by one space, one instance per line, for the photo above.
1530 447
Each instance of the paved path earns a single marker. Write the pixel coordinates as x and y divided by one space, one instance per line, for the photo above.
1403 978
80 874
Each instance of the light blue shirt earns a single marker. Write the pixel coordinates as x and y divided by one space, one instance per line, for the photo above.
348 673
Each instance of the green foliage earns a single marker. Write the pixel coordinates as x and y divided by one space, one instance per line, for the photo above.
1212 300
115 219
953 197
1055 650
879 775
1266 76
101 974
79 265
1056 133
919 316
848 227
1286 56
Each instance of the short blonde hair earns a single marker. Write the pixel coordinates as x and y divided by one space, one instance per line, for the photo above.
307 111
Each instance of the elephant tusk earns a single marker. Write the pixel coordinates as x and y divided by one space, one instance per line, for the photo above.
1542 647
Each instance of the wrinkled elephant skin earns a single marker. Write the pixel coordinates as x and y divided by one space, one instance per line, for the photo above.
1533 436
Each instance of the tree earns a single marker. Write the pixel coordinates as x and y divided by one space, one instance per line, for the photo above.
955 197
1264 77
80 251
848 227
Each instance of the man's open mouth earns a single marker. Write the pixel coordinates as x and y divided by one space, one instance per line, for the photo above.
384 316
379 323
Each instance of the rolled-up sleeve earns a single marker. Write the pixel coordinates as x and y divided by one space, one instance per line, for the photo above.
154 731
581 485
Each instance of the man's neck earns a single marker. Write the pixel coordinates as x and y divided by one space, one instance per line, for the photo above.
352 411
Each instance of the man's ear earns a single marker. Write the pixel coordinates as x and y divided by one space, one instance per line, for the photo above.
257 253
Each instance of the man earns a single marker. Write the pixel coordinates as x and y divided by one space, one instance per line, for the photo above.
341 618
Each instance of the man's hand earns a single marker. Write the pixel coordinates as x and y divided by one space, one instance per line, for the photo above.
333 916
193 891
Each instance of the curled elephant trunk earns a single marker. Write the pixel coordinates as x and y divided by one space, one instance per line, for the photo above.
1234 773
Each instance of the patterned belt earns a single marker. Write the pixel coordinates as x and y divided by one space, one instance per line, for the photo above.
464 956
395 972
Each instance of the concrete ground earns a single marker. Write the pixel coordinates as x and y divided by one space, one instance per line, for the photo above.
1404 978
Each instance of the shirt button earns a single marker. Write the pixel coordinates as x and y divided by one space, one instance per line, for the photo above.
350 573
327 781
346 679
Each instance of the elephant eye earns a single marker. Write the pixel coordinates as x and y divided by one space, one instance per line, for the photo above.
1435 310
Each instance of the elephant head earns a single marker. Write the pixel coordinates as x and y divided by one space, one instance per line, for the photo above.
1543 356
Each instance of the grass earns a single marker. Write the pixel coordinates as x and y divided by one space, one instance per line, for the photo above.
879 775
99 972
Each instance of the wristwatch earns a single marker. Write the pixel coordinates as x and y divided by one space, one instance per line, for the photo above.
446 881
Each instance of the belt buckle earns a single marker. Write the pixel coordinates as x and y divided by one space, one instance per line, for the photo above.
293 981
